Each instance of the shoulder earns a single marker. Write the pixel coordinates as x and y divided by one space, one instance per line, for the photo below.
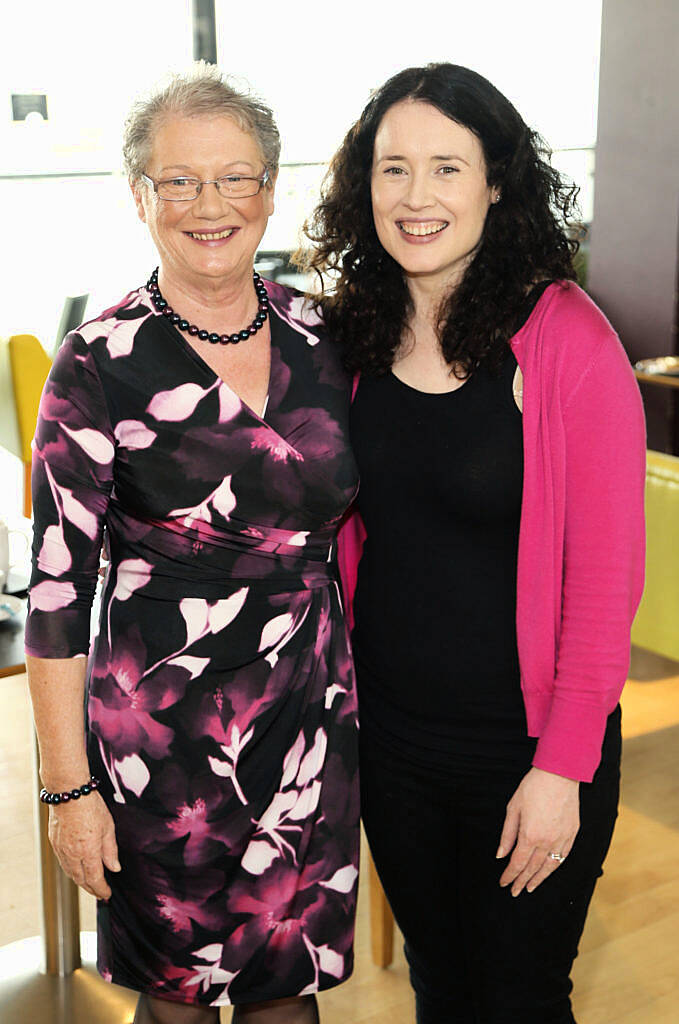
305 337
568 305
567 338
296 309
115 328
565 309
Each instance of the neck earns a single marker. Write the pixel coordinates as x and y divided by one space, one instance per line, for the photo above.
217 304
428 292
427 297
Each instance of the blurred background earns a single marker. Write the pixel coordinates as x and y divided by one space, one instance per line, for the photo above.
78 65
599 79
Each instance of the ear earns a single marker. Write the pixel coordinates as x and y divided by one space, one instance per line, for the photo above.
136 187
268 192
495 192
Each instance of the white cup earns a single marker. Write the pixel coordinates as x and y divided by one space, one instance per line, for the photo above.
5 563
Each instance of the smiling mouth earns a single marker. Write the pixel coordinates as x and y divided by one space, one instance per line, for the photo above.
432 227
211 236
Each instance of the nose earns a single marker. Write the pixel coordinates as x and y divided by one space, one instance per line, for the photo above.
420 192
210 202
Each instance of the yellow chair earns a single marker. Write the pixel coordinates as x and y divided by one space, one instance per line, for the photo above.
656 626
29 366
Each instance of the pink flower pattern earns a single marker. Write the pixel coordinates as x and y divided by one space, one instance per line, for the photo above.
221 704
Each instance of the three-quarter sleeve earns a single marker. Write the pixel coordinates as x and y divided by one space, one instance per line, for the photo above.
73 452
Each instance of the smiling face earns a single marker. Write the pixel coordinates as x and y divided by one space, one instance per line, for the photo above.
430 196
213 236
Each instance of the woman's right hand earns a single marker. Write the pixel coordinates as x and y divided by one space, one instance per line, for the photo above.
82 835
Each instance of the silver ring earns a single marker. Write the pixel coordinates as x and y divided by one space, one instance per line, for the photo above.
558 857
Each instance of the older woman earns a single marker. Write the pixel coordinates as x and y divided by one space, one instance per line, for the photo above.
202 421
500 441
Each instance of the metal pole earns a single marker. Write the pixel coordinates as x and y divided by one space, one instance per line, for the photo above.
204 31
42 978
59 897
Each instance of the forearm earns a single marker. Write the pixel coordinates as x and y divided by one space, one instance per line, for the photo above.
57 688
603 562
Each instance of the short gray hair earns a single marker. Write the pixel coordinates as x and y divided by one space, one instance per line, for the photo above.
202 91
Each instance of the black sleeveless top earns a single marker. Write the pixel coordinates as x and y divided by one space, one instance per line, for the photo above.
435 607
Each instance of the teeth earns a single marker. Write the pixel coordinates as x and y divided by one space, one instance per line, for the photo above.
211 236
423 229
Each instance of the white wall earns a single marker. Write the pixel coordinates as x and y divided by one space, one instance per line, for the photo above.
91 58
316 63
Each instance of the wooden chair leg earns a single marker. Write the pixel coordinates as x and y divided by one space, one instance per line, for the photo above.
28 503
381 920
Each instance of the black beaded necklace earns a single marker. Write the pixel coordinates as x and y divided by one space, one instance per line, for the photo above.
223 339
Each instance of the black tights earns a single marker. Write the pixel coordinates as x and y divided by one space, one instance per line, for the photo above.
282 1011
151 1010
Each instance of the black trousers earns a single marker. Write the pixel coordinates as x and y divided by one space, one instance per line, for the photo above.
477 954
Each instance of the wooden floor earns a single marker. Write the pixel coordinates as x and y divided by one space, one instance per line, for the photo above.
628 968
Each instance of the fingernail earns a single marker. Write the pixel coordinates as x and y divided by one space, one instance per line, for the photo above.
515 894
500 853
116 866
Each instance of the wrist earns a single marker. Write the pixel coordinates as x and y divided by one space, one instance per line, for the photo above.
555 775
69 795
64 779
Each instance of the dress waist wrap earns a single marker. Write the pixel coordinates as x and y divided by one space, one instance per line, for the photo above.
205 556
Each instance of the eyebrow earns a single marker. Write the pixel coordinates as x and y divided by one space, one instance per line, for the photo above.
185 169
452 156
397 156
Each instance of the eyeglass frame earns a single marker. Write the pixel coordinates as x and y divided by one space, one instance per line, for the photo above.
262 180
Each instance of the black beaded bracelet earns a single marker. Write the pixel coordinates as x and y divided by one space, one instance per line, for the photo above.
74 794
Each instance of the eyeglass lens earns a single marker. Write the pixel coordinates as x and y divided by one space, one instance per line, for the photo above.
190 188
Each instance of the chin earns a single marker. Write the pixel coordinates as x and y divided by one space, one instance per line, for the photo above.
418 269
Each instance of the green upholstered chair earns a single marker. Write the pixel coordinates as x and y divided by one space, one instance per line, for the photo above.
656 626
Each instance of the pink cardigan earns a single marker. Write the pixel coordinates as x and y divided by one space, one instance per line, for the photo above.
581 539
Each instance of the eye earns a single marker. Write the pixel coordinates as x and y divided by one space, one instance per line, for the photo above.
180 182
394 172
448 169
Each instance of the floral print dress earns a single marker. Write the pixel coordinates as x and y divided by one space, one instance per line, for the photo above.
221 702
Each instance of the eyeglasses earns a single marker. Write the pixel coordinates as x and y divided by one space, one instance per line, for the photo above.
183 189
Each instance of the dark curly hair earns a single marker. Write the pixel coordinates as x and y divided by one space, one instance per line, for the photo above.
526 238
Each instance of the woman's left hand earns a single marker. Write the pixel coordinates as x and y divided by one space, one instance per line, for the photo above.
543 818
